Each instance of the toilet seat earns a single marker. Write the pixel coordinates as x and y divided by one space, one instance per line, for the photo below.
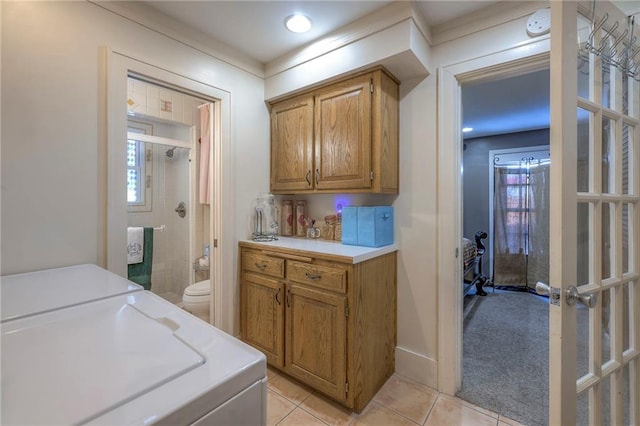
201 288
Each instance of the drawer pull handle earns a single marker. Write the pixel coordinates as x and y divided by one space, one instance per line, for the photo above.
313 276
306 177
278 294
260 266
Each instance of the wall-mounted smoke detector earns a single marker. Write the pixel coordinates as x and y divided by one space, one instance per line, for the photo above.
539 22
297 23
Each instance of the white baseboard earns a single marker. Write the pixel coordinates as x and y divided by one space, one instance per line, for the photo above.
417 367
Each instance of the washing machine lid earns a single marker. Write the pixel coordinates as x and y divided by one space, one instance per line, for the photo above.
129 359
201 288
42 291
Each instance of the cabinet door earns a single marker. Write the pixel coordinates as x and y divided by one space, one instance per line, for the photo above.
342 143
262 308
316 339
292 145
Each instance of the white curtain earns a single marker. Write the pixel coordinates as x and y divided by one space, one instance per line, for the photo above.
538 257
510 226
521 224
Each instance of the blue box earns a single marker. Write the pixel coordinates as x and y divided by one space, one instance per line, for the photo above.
367 226
350 226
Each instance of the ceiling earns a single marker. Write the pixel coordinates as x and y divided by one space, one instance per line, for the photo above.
256 28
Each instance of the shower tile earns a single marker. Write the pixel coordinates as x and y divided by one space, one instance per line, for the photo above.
178 108
153 91
140 88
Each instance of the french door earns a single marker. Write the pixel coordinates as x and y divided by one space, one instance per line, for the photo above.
594 310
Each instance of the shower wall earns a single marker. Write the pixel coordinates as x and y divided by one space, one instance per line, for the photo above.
170 186
171 114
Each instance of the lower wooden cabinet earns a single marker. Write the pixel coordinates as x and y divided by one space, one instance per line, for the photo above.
316 339
263 324
329 323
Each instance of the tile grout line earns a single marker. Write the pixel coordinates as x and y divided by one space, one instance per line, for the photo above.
431 409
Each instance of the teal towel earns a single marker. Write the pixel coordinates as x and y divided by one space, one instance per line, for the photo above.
140 273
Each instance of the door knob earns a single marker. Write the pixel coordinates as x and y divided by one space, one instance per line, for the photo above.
542 289
589 300
572 295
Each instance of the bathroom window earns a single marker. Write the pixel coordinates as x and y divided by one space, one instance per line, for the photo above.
139 168
135 172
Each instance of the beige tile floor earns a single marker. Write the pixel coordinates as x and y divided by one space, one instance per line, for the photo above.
400 402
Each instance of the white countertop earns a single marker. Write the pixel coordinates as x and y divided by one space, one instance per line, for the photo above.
356 254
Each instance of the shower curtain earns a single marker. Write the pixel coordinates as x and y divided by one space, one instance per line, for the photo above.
521 224
205 150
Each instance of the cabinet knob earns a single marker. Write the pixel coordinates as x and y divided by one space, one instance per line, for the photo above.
278 294
317 176
307 177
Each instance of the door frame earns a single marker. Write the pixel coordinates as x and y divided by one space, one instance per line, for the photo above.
520 59
117 64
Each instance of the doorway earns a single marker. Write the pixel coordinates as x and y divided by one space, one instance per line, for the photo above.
119 67
575 196
450 222
161 188
505 194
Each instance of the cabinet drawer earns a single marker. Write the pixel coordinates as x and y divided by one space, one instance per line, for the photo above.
263 264
326 277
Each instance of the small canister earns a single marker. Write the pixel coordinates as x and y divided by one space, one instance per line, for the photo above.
300 229
328 228
327 231
337 234
288 222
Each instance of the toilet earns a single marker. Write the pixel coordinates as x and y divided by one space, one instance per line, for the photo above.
196 299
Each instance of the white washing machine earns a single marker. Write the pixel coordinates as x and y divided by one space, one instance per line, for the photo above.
131 358
42 291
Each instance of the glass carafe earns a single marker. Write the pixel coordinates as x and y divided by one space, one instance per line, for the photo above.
266 218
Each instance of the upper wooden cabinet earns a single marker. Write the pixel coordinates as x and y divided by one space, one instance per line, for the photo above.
342 137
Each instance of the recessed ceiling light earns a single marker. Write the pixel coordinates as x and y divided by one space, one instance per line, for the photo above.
297 23
467 129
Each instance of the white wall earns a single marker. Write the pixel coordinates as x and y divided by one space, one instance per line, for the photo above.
53 194
49 53
415 208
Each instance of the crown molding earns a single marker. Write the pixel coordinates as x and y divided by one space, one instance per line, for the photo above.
491 16
375 22
150 18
